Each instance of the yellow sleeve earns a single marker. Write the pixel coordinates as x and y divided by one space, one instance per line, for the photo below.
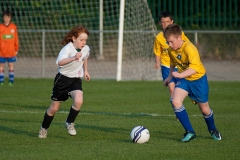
194 59
172 63
157 47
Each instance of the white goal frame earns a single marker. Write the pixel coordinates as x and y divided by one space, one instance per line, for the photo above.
120 41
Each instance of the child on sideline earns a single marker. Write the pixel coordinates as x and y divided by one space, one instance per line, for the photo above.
72 65
9 46
191 81
161 50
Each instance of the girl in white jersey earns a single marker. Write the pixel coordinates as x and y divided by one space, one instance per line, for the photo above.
72 65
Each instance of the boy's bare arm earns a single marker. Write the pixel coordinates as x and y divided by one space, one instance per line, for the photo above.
184 74
157 62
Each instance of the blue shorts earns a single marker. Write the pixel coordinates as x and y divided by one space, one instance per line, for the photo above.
165 72
11 59
197 90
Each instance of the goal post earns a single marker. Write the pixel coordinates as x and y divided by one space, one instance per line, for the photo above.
137 32
101 56
120 41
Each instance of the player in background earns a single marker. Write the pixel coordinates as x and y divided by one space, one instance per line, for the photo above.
72 65
191 81
9 46
161 50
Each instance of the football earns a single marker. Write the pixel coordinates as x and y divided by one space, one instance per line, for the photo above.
139 134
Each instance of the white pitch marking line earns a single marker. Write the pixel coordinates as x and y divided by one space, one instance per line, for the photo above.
103 113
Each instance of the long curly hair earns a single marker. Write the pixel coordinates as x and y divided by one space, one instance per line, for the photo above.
74 32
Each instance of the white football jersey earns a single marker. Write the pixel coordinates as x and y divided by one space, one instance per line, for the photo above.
75 68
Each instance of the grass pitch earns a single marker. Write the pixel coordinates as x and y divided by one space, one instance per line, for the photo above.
109 112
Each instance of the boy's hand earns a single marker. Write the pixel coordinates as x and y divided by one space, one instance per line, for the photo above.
166 81
157 65
177 75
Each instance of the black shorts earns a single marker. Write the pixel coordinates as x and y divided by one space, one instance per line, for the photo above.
63 86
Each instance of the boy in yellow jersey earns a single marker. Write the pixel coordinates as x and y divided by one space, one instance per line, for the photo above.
161 50
191 81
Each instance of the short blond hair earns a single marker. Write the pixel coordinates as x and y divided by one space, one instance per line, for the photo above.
173 29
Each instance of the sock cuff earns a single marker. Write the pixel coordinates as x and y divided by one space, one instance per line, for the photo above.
207 116
48 117
73 110
179 109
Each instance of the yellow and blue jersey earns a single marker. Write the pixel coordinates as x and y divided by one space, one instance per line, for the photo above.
187 57
161 48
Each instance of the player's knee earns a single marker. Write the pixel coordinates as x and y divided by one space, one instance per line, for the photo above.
53 109
176 104
78 103
206 111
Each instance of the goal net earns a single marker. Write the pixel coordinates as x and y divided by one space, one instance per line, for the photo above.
43 24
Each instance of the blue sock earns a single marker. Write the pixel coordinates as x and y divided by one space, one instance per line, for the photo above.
11 76
182 115
210 121
1 76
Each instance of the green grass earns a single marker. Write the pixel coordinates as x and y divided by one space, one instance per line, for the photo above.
110 111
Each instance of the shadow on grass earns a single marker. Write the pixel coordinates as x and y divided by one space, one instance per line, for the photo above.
34 134
12 105
177 136
17 131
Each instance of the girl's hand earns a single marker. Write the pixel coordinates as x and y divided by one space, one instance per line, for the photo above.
78 55
86 76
